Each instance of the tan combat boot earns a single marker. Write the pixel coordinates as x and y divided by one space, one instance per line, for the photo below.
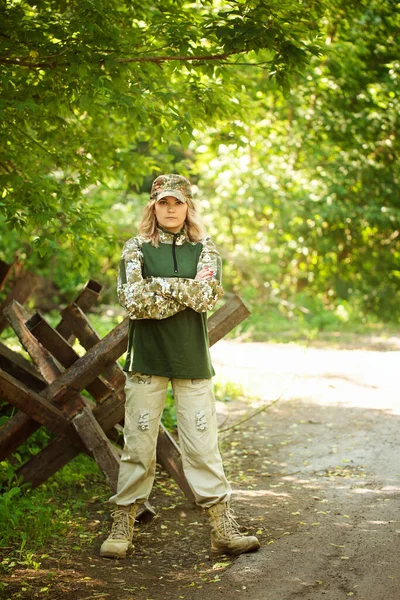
120 539
225 535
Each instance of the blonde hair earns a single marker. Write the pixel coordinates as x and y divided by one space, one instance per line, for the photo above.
193 226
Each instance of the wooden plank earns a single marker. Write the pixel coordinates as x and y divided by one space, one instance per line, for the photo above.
89 295
63 352
41 358
89 366
87 336
226 318
85 300
20 368
14 433
98 445
34 406
21 290
84 423
50 460
18 427
21 426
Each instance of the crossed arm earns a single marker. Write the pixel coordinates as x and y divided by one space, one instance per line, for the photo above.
162 297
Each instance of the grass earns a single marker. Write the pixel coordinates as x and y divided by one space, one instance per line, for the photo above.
271 323
52 515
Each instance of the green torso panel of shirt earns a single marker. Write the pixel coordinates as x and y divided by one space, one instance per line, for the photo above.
176 347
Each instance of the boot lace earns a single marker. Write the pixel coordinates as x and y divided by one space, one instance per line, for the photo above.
122 525
228 525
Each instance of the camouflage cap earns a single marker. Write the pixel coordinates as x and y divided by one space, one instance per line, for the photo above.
171 185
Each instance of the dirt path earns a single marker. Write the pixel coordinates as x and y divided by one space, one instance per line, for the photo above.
332 507
317 476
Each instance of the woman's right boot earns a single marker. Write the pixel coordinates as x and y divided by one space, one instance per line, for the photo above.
120 539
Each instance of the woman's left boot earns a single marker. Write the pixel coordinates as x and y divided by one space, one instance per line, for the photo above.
225 534
120 539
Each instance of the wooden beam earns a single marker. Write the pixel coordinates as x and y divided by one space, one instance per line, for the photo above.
18 427
87 336
89 366
226 318
45 464
50 460
20 368
85 300
34 406
98 445
14 433
63 352
84 422
41 358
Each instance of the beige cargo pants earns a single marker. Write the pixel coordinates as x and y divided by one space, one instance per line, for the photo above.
198 439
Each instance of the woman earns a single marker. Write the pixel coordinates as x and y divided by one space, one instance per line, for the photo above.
169 277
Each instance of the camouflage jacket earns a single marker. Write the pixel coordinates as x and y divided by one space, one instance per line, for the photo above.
162 297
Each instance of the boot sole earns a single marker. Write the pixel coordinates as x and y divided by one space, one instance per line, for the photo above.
110 554
235 551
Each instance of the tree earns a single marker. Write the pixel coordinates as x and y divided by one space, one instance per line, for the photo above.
96 91
307 187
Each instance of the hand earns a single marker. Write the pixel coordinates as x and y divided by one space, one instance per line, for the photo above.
205 274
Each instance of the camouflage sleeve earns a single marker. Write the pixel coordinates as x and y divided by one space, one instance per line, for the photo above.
141 297
201 296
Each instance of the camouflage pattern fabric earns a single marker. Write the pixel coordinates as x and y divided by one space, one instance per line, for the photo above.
166 238
162 297
171 185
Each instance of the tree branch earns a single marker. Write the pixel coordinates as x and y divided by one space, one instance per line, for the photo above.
22 62
29 138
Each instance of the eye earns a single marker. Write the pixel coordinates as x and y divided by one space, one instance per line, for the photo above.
179 202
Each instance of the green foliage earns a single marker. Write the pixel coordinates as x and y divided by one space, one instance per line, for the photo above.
226 391
307 186
284 114
97 91
168 417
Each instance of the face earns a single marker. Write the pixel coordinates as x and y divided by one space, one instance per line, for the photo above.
170 213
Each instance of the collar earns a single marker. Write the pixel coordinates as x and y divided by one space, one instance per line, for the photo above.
166 237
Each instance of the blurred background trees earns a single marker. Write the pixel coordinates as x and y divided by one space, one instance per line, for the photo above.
283 114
